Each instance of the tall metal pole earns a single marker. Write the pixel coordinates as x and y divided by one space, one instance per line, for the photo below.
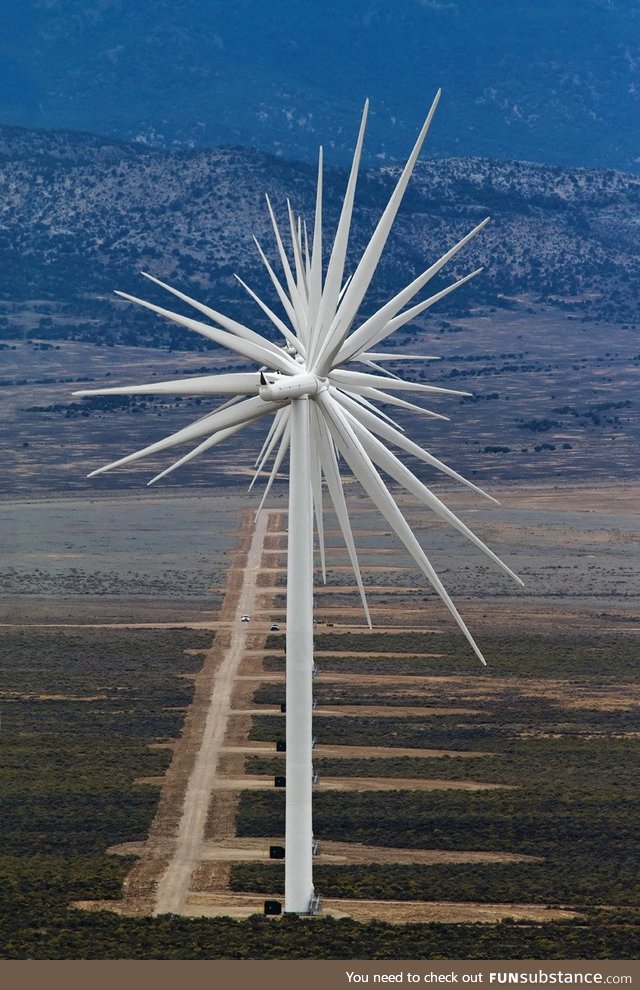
299 668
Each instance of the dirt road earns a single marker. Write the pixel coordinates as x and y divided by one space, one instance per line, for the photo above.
174 885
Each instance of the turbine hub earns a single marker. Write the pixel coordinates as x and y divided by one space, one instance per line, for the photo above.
278 388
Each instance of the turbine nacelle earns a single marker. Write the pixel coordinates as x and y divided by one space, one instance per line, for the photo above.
278 388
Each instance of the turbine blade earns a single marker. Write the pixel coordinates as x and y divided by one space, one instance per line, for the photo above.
284 446
282 295
231 325
307 255
378 356
371 327
291 338
200 449
267 439
400 440
316 492
278 427
376 394
315 274
261 353
241 413
366 473
378 367
335 270
345 287
369 261
349 350
229 402
396 469
294 295
243 383
345 379
359 397
301 276
223 405
325 448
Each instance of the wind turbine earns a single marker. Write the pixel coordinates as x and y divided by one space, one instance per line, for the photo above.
321 410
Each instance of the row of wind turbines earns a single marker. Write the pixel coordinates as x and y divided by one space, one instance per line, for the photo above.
324 413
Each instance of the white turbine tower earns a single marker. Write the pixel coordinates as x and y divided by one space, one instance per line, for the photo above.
321 410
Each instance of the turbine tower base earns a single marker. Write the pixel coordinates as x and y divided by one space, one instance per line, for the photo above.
299 892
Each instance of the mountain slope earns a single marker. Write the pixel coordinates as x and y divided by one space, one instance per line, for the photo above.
555 81
80 216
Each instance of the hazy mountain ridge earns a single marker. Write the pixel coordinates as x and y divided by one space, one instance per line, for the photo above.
42 147
557 81
81 215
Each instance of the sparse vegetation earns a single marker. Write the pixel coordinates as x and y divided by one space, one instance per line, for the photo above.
67 794
79 710
570 772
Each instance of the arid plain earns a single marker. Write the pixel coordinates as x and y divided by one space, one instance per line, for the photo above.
197 561
404 712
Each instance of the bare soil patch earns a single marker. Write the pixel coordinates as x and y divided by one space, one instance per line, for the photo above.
366 784
444 912
252 850
389 711
363 752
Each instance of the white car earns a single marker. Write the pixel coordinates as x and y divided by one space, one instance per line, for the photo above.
245 618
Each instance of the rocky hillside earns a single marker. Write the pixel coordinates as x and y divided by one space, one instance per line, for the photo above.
81 215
